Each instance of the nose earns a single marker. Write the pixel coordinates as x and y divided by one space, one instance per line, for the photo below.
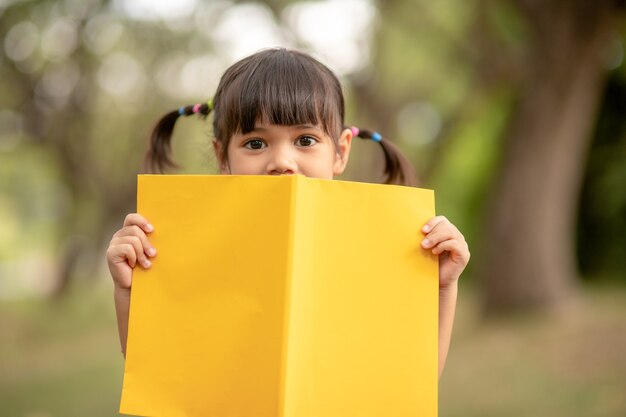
282 162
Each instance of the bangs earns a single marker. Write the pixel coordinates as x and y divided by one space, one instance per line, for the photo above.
282 88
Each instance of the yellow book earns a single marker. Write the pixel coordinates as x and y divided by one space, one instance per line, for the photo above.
283 297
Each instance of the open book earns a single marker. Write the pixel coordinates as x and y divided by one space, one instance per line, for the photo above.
283 297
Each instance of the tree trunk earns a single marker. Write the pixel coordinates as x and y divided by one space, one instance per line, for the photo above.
528 260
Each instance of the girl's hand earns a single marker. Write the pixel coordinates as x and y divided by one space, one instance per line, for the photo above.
130 246
445 240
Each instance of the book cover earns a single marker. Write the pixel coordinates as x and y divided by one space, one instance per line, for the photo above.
282 297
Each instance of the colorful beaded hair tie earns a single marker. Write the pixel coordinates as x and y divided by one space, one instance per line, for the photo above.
196 108
376 137
355 131
181 111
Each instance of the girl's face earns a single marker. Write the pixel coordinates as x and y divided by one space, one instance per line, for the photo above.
286 150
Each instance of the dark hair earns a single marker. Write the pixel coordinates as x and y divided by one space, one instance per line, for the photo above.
279 86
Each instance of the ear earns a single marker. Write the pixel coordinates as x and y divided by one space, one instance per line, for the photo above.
223 164
343 152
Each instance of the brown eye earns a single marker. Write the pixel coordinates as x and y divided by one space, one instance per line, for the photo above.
254 144
306 141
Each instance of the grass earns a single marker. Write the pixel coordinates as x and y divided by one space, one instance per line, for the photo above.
62 359
571 363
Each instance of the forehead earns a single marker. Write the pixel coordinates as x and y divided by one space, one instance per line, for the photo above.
265 125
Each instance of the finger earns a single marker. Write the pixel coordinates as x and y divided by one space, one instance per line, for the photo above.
138 232
442 231
124 252
139 249
121 261
459 251
138 220
430 224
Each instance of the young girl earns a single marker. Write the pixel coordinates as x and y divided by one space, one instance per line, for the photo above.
281 112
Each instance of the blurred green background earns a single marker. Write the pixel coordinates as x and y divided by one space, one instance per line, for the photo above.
513 111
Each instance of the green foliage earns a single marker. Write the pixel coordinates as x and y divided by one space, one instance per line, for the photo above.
464 176
602 219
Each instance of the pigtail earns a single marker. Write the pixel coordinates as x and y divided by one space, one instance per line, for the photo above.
398 169
158 158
